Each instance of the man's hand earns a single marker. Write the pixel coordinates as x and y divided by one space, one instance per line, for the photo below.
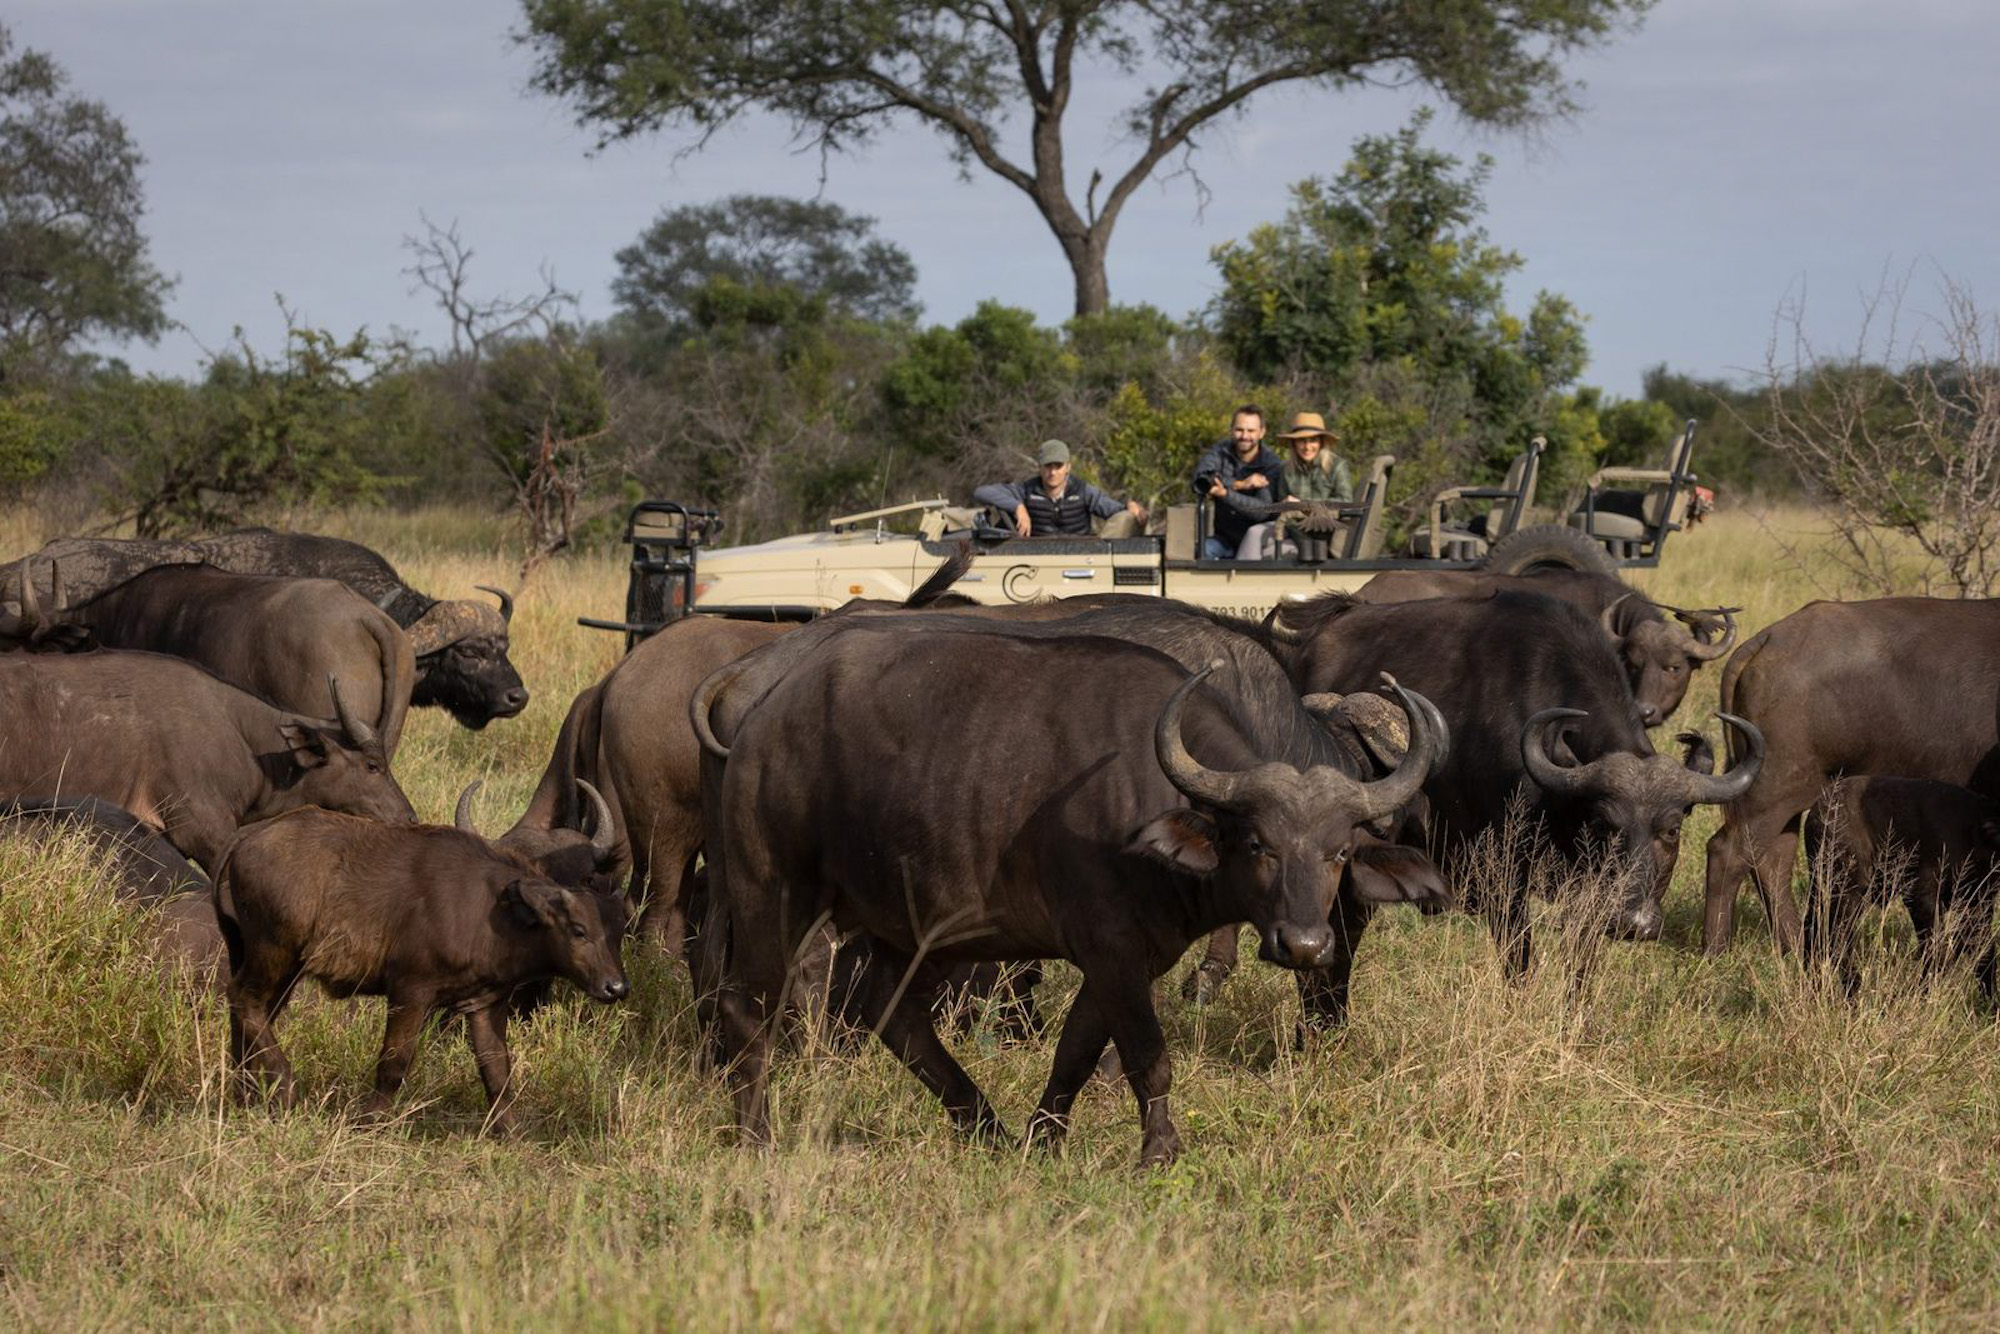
1256 481
1136 510
1021 521
1215 488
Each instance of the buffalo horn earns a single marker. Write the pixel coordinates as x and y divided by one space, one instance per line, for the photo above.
704 699
506 600
1727 787
1706 651
1560 780
1183 770
1278 630
31 606
462 817
1427 743
602 837
1608 618
360 733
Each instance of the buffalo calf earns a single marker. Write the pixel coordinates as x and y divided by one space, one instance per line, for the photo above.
433 919
1936 845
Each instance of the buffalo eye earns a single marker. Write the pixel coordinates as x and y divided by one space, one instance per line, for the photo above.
1338 857
576 929
1255 846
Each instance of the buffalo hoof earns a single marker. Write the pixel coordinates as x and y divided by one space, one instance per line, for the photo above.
1204 984
1160 1149
1046 1132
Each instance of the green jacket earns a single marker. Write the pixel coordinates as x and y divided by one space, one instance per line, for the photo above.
1328 482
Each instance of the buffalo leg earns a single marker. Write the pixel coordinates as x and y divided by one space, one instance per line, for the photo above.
902 1018
486 1031
257 996
1142 1046
1323 991
405 1023
1083 1039
1762 844
1507 918
1204 984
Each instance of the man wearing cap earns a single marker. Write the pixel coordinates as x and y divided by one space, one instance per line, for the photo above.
1242 478
1058 504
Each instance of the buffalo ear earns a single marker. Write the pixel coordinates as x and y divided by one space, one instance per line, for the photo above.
1696 753
1182 839
1989 829
1392 873
515 902
308 744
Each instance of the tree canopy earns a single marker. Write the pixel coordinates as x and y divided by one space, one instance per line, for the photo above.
842 71
814 247
73 261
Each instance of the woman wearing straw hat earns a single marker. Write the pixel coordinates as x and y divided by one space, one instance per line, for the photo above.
1315 473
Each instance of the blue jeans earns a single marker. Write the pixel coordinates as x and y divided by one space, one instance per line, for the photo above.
1214 548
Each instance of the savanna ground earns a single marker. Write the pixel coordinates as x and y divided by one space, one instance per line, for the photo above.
1709 1143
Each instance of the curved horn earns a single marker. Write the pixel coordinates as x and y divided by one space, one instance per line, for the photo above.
1556 779
32 622
56 589
462 817
360 733
602 836
1278 630
1727 787
1427 745
705 695
1183 770
506 600
1707 652
1608 618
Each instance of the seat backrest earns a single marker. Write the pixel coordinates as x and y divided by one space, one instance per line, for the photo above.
1669 501
1366 539
1181 523
1522 475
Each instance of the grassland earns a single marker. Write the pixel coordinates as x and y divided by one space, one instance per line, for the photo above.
1704 1143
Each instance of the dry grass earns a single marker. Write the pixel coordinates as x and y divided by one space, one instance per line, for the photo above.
1722 1143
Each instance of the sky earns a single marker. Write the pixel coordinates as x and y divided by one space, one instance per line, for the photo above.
1734 159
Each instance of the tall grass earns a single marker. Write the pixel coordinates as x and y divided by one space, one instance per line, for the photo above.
1726 1142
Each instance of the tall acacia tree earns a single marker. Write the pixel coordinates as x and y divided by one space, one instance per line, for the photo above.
841 71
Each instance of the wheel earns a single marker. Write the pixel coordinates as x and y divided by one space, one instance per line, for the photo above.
1547 546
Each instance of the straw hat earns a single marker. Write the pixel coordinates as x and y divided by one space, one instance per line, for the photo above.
1308 424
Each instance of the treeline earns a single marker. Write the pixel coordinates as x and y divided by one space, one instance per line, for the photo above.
768 356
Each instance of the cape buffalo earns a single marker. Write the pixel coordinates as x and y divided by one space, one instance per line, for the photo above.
1660 657
1138 807
1538 706
1935 845
279 638
564 850
431 918
460 646
1894 686
185 752
144 869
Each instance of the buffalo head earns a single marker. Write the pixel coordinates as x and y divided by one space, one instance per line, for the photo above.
1661 656
1634 805
567 855
462 663
1276 841
341 768
577 932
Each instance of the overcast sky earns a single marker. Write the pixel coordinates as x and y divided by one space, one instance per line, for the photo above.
1732 155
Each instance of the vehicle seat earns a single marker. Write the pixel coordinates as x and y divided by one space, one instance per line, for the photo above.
1631 519
1364 539
1511 499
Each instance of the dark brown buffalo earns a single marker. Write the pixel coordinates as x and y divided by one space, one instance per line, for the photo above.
1538 709
1936 846
1895 686
434 919
1660 656
144 870
460 646
565 850
279 638
848 797
188 754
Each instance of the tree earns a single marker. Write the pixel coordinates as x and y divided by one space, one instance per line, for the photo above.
73 262
1900 438
1382 289
841 71
815 248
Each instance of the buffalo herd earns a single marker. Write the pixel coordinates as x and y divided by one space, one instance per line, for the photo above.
933 797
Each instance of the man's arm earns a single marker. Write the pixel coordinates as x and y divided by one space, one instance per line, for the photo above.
1003 496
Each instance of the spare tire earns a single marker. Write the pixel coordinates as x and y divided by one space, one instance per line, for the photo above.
1548 546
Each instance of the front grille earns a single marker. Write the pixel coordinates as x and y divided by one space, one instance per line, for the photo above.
1135 574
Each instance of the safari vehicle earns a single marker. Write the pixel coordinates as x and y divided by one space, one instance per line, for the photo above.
1623 521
